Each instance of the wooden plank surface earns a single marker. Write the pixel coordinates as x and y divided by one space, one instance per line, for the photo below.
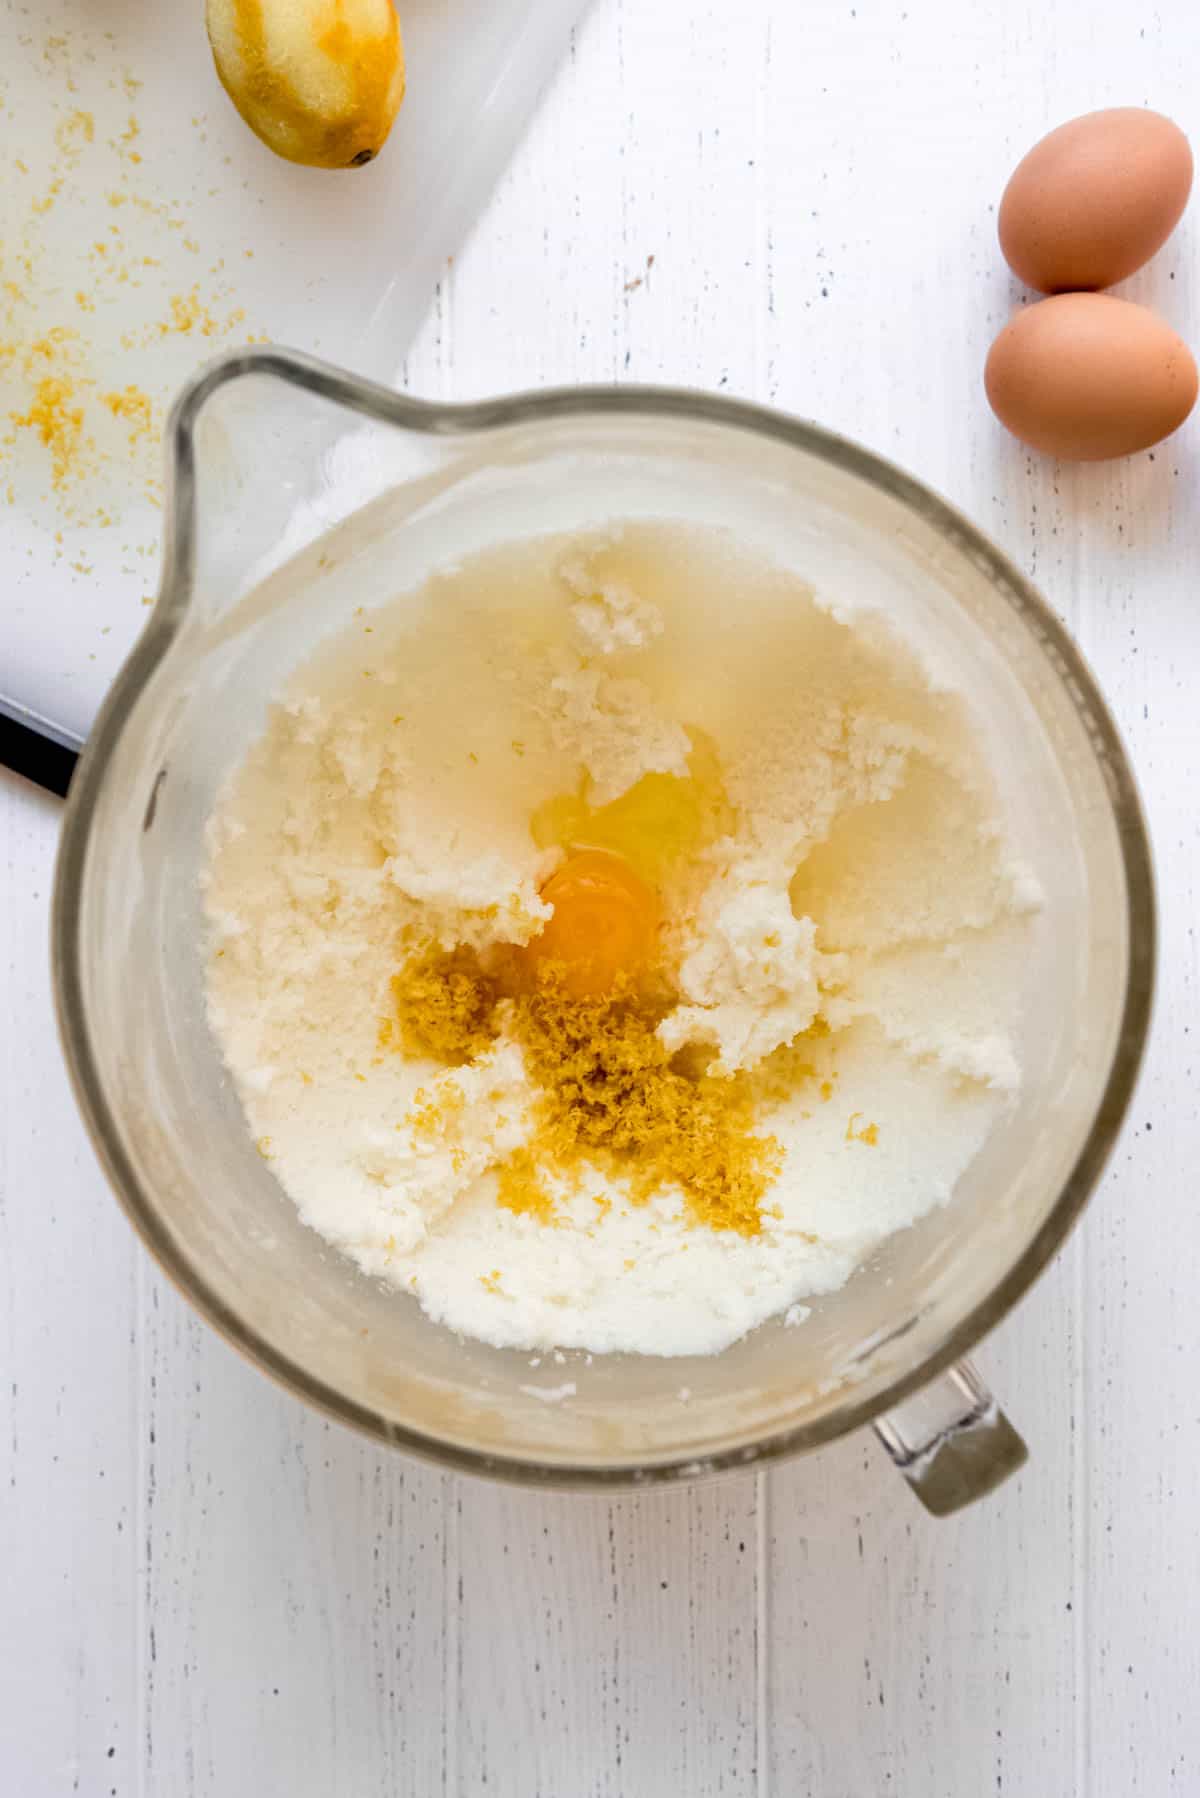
236 1598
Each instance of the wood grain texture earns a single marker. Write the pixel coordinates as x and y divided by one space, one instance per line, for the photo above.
236 1598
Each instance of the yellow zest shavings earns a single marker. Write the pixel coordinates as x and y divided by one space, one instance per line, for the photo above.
520 1189
128 138
869 1133
445 1009
55 427
73 132
133 405
189 315
610 1096
800 1066
431 1113
58 422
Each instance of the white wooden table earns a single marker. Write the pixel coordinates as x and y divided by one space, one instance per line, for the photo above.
208 1590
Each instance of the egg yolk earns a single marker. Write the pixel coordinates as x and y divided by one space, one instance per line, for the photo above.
604 926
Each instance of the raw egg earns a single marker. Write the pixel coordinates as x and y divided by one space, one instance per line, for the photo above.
1085 376
1095 199
605 924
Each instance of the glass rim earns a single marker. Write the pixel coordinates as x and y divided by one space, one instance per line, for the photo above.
370 400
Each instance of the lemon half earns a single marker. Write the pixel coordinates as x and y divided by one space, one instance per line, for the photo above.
319 81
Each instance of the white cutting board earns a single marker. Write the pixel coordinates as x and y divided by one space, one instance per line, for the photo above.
143 229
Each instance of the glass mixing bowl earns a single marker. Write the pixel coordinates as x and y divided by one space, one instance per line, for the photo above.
297 494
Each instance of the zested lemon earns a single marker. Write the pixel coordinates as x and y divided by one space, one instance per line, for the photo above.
320 81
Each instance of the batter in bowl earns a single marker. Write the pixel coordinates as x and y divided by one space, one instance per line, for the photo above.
612 943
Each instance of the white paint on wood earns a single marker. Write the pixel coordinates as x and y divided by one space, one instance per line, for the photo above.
237 1598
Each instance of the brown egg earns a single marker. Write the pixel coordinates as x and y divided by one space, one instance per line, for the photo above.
1086 377
1094 200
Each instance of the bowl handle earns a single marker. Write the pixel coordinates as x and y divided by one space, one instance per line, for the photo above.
951 1441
